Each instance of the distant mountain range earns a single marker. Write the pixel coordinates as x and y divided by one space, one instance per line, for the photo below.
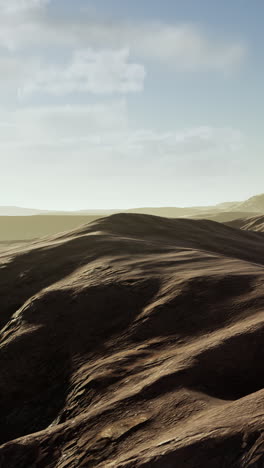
25 224
252 205
19 211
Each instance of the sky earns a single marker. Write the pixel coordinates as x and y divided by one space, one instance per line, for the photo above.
121 104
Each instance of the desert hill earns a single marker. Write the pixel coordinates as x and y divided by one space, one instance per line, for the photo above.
224 216
253 204
133 341
22 225
249 224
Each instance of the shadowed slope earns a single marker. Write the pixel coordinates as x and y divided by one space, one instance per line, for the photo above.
133 341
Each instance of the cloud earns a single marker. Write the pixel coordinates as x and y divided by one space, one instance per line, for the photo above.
184 46
102 130
89 156
43 52
187 47
15 71
58 125
204 141
26 23
15 6
23 23
94 71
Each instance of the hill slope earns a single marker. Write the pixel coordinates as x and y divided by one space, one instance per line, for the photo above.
221 212
223 216
134 341
253 204
248 224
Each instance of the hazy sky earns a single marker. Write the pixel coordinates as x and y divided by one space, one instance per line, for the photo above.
120 103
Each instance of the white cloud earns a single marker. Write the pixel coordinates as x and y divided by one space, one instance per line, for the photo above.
77 54
16 70
187 47
184 46
42 126
24 23
103 130
194 142
15 6
94 71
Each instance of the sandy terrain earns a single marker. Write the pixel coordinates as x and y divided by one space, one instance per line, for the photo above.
255 223
14 229
133 341
23 224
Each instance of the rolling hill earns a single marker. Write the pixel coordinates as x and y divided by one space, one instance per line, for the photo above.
33 224
133 341
255 223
